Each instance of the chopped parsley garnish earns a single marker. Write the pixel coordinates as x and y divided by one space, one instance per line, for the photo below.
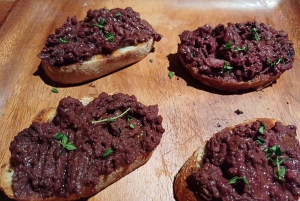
63 40
131 125
255 35
234 179
112 119
151 60
260 141
109 37
118 14
108 152
262 128
275 62
54 90
227 68
274 155
63 140
171 74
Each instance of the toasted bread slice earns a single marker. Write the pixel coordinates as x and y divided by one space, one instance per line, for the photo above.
195 162
98 65
46 115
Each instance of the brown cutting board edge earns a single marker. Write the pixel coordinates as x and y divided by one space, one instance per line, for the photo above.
191 111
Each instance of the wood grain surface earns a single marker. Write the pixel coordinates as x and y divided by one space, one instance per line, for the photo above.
191 111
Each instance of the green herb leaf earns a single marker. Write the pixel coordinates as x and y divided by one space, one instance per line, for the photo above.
247 48
63 40
278 152
118 14
54 90
260 141
69 146
63 140
121 131
129 118
131 125
234 179
275 62
227 45
101 23
246 182
281 172
227 68
108 152
109 37
151 60
171 74
58 136
236 48
262 128
255 35
112 119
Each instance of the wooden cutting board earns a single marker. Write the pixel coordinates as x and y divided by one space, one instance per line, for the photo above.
191 111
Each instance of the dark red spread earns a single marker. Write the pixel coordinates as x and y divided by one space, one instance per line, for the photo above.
243 152
40 166
101 32
239 52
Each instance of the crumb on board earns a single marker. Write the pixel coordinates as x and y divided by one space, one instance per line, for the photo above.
238 112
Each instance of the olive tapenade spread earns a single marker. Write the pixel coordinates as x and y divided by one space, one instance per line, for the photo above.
239 52
250 162
101 32
41 164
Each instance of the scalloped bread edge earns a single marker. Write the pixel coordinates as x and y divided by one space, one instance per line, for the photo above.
194 163
259 83
46 115
98 65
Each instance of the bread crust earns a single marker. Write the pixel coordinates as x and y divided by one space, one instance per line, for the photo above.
194 163
259 83
98 65
46 115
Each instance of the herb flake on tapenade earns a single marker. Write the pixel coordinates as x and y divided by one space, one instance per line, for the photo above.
233 180
63 140
108 152
237 167
100 32
262 128
255 35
